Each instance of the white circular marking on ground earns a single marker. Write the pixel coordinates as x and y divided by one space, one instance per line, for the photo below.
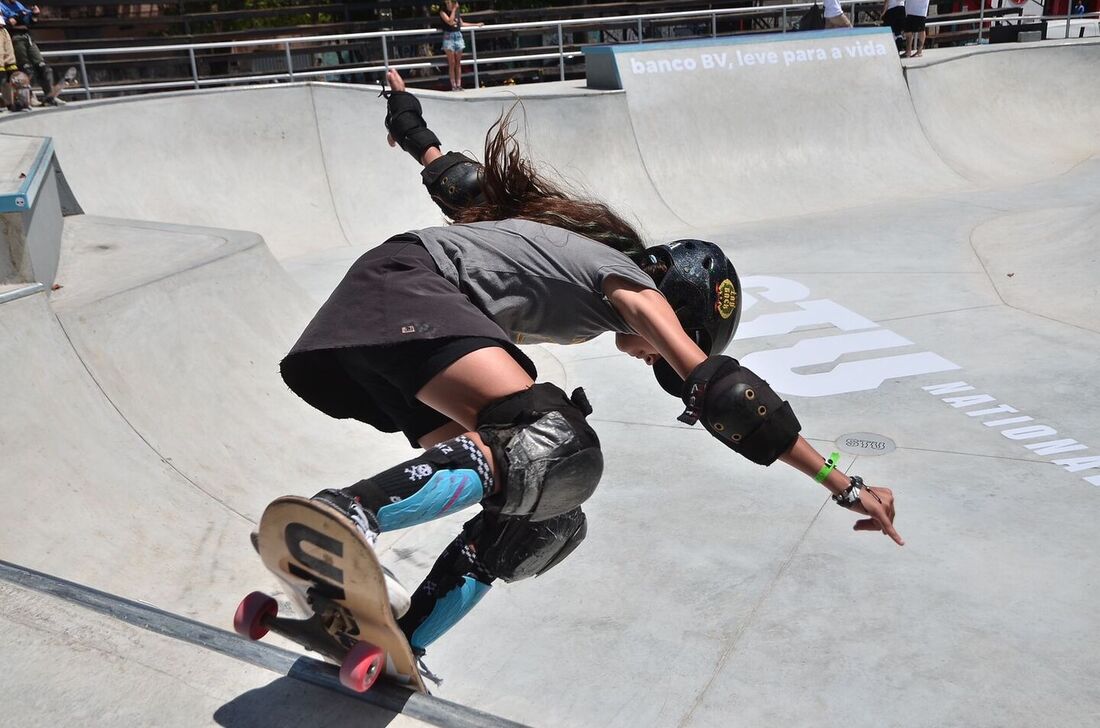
865 443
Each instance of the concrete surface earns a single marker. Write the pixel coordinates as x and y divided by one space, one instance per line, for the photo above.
1036 113
92 661
902 278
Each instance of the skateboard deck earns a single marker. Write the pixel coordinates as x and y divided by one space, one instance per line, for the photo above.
22 95
330 571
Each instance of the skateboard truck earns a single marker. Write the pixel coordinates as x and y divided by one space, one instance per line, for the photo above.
361 663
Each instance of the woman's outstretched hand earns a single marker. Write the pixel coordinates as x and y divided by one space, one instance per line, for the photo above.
878 503
393 78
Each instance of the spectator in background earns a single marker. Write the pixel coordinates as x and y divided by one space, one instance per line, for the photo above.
453 44
18 19
893 14
916 16
1079 7
834 15
8 66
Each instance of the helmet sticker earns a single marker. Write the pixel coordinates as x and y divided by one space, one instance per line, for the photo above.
727 298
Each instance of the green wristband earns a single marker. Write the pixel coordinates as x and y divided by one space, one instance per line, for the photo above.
830 464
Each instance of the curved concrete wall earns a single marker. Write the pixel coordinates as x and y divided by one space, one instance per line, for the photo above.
1011 112
307 166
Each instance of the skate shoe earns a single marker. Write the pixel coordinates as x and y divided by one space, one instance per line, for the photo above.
351 509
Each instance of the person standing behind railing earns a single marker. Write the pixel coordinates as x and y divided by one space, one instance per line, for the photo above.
893 14
834 15
453 44
916 15
18 19
1079 7
8 66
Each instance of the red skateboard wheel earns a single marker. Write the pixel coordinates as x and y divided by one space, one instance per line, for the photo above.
251 613
362 666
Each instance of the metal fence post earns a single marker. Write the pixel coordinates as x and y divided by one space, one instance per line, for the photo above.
784 20
84 73
981 20
289 61
714 25
1069 11
640 31
473 46
194 67
385 54
561 54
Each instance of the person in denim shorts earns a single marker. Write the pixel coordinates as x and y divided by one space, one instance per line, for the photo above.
453 44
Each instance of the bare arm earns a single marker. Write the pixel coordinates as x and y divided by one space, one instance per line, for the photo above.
648 313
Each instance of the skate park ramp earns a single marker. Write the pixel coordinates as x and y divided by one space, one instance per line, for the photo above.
918 247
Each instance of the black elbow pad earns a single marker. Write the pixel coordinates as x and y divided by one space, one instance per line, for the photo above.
739 408
454 182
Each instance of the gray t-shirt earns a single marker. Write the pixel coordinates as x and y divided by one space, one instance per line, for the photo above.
538 283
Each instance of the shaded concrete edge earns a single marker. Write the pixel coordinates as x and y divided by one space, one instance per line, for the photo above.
14 295
430 709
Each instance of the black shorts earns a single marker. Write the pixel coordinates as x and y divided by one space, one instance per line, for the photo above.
392 375
915 23
895 18
391 325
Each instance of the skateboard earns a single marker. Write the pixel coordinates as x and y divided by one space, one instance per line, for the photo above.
67 81
22 96
331 571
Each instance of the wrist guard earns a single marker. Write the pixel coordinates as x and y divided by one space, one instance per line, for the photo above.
405 123
739 409
454 182
849 497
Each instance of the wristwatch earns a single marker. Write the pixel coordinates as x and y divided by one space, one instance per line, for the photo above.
850 495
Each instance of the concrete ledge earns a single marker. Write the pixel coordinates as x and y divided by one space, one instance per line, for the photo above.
429 709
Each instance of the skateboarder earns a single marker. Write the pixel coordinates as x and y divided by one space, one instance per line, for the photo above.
420 337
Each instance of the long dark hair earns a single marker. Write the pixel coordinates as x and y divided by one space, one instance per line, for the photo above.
514 188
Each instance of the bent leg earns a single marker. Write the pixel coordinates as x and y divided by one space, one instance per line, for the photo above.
443 479
490 547
527 453
548 462
453 473
451 68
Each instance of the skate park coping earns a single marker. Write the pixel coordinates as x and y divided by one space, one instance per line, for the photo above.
24 162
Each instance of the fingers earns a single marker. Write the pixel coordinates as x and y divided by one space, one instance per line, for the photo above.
393 78
888 529
879 504
389 138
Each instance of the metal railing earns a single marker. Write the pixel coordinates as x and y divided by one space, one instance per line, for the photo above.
981 20
784 13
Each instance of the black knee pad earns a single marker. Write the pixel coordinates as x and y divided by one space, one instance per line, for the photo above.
512 548
548 458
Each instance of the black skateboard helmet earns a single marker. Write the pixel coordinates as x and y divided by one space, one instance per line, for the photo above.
703 289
